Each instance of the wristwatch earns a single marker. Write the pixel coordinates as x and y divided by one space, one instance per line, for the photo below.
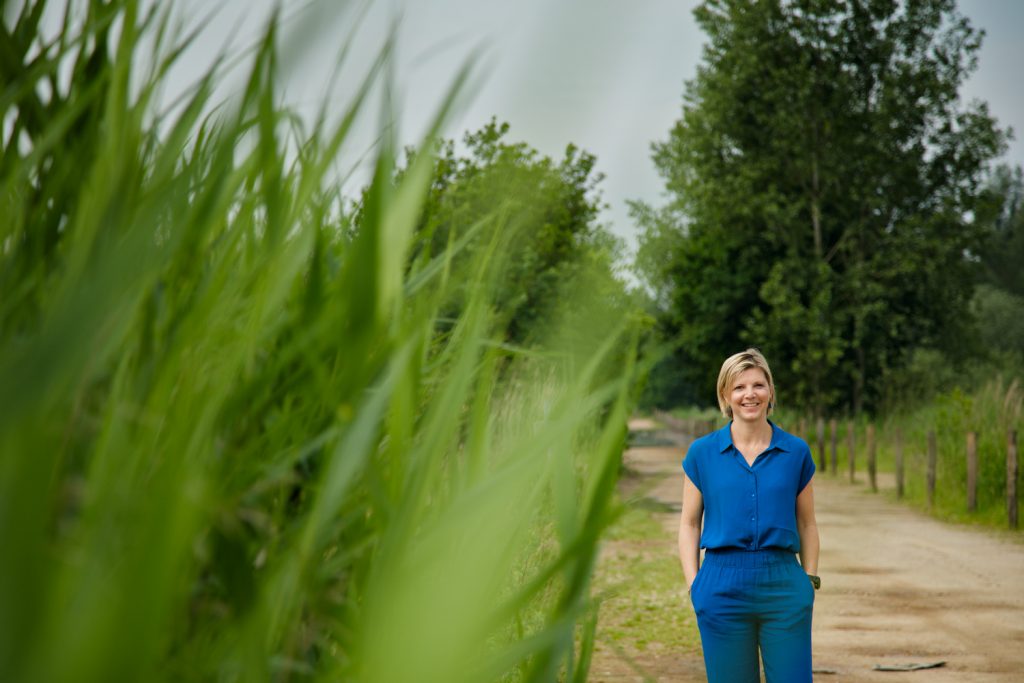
815 581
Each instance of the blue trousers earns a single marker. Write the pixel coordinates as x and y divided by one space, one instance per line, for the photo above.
748 600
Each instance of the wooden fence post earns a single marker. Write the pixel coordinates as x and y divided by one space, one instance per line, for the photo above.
851 442
822 458
1011 478
932 455
871 457
898 446
972 472
833 428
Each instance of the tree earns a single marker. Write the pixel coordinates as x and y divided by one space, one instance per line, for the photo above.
821 180
547 218
1002 215
998 303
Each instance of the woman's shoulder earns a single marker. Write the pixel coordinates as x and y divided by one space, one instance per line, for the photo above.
790 442
709 443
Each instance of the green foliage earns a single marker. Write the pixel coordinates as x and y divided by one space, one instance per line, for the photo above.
820 179
239 438
1000 316
548 213
1003 215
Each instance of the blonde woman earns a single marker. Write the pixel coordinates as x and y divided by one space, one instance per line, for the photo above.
748 501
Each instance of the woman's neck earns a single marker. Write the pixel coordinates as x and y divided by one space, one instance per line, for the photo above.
751 432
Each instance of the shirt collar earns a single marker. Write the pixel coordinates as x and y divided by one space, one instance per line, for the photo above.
780 439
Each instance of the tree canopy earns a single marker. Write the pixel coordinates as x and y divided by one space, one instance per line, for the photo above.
547 215
1003 252
822 181
998 303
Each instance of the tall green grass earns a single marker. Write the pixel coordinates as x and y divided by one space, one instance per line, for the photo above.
238 441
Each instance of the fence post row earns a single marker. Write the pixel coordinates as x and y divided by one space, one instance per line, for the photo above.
932 454
972 472
1011 478
898 447
871 457
822 458
1012 464
833 428
852 444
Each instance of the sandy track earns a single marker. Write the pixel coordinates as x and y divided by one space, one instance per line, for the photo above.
897 587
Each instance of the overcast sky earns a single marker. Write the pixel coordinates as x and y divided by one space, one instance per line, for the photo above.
607 75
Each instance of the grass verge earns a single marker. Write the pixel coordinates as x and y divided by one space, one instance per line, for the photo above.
644 611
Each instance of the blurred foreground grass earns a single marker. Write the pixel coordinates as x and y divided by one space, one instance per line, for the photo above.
238 438
647 629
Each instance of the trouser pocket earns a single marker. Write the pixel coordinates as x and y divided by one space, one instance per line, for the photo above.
802 585
695 586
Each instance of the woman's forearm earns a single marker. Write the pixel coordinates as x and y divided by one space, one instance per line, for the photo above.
690 520
809 548
807 528
689 549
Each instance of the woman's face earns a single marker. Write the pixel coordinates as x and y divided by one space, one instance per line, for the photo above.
750 395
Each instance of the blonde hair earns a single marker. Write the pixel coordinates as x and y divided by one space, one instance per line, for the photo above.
733 366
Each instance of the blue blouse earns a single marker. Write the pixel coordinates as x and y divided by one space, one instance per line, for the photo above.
749 507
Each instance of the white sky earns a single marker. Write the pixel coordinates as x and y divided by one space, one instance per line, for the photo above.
607 75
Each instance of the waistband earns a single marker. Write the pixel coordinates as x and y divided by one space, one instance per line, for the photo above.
740 557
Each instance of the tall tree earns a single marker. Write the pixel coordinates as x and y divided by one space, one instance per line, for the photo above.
547 216
821 180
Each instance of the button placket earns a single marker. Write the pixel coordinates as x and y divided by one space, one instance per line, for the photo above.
753 516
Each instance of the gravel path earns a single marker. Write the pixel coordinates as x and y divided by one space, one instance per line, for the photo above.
898 587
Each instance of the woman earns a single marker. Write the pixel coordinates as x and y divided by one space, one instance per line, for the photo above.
751 483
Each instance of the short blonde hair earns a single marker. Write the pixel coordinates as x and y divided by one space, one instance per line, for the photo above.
733 366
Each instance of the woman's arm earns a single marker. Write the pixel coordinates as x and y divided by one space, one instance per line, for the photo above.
807 527
689 530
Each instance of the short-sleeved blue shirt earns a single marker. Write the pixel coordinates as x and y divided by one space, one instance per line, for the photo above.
746 507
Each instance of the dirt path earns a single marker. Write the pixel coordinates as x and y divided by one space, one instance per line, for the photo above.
897 587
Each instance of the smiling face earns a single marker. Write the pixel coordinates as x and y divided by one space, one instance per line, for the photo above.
745 384
749 395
